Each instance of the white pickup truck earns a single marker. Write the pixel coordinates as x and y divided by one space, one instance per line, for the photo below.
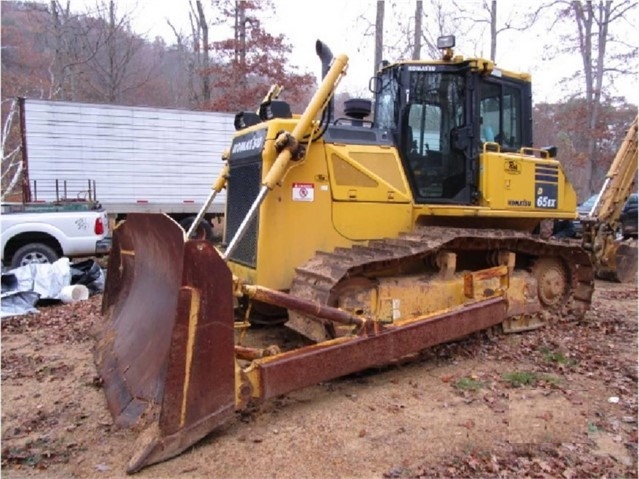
45 232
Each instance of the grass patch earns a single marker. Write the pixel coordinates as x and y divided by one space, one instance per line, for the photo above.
551 380
469 384
519 379
556 357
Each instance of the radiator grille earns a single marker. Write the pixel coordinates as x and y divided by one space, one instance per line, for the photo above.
243 186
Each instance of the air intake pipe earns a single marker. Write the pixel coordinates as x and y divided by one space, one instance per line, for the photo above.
326 57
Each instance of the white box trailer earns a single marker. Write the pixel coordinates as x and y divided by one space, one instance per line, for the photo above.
140 159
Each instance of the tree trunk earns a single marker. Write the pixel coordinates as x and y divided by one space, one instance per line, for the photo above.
240 37
602 36
112 52
56 68
417 46
379 35
586 18
204 28
493 30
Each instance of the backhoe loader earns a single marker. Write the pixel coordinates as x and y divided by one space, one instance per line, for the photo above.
375 240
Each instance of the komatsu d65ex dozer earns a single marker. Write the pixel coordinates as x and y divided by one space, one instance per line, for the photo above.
376 239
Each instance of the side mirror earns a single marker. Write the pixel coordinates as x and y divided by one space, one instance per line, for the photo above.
460 138
375 84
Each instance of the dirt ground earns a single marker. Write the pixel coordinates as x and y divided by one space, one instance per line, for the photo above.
557 403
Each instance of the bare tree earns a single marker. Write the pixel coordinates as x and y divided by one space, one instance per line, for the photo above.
119 66
72 49
515 19
198 63
405 37
187 67
594 23
57 68
440 19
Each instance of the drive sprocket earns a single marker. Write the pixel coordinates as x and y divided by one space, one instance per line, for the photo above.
553 281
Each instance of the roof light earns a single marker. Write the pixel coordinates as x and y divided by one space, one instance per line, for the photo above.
447 41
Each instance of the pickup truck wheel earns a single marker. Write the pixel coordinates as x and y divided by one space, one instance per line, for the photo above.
33 253
204 229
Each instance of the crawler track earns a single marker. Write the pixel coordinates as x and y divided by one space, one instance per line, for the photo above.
318 278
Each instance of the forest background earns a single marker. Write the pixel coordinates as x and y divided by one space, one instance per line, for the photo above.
222 55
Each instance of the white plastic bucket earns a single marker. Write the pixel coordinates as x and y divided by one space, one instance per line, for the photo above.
76 292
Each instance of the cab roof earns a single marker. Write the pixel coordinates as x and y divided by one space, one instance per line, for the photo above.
480 65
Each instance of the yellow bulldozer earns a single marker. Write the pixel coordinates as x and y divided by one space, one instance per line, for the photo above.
373 239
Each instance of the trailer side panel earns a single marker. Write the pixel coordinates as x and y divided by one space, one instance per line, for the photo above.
142 159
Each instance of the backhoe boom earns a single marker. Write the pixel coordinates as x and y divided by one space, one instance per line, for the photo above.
615 260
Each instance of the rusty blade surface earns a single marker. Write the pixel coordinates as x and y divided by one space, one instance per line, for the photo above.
165 347
321 362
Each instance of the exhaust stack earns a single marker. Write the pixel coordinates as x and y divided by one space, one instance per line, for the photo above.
326 57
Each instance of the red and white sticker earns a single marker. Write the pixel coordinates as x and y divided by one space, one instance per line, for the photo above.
303 192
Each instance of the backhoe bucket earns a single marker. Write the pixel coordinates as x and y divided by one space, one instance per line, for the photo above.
165 346
619 263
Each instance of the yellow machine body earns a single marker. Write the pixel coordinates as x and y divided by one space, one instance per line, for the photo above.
338 195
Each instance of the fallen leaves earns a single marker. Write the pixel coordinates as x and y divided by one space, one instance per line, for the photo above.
548 461
599 353
565 357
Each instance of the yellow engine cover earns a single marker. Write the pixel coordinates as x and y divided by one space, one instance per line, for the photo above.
337 195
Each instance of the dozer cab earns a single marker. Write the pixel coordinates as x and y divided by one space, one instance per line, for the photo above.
374 239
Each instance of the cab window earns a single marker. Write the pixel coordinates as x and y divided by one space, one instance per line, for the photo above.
424 122
385 107
500 114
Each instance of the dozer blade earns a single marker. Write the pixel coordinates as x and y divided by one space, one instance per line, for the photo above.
165 347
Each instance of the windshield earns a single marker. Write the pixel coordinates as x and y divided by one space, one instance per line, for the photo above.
435 108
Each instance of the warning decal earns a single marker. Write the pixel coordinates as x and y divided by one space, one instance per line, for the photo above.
303 192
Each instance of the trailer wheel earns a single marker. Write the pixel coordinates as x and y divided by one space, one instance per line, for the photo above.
33 253
204 229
